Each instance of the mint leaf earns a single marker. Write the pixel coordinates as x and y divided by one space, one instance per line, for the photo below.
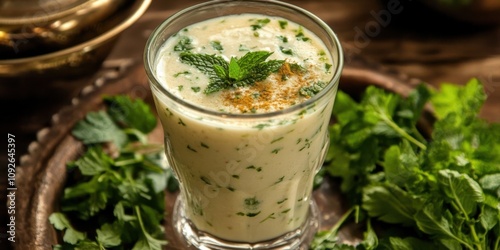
98 127
247 70
131 113
251 59
204 63
235 72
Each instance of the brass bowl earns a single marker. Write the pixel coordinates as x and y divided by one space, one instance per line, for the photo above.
36 75
29 28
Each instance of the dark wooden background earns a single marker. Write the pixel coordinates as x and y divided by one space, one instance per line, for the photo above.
416 44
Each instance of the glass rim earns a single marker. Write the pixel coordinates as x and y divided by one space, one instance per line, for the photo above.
333 82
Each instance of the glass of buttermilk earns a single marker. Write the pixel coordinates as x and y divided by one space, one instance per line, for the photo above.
244 91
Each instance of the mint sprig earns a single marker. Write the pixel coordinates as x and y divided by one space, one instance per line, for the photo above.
238 72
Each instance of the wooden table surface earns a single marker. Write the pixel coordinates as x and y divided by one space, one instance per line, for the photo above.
416 43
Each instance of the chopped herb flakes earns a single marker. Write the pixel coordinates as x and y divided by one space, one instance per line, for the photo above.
283 24
259 23
279 180
206 180
184 44
277 139
313 89
182 73
251 203
300 35
258 169
281 201
216 45
270 216
276 150
252 214
262 126
286 51
283 39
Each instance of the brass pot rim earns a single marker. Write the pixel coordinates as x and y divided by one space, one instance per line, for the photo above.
137 10
51 16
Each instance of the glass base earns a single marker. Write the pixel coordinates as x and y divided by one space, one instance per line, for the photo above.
297 239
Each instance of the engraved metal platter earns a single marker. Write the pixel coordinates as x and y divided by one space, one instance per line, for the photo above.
42 174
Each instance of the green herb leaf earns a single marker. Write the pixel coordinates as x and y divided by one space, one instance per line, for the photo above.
313 89
461 189
109 235
184 44
442 190
131 113
93 162
62 223
410 243
217 45
391 204
259 23
430 221
247 70
118 193
235 72
459 100
98 127
400 164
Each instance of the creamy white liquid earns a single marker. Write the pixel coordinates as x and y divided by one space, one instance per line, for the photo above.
245 179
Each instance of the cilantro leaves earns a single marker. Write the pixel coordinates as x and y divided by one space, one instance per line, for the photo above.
436 193
98 127
132 114
117 187
238 72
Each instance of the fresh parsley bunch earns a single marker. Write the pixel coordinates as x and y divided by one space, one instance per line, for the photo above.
115 190
440 191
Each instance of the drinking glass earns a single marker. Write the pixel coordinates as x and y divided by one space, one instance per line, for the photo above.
245 179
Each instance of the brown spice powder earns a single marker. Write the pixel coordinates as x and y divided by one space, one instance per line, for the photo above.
279 91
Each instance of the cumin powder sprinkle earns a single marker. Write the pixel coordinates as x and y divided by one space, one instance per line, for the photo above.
279 91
